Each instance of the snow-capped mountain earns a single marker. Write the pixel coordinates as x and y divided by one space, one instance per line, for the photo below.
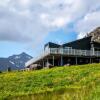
14 62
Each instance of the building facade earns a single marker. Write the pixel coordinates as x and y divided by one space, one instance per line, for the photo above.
82 51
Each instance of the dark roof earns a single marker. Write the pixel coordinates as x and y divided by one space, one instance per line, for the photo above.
85 38
53 45
83 43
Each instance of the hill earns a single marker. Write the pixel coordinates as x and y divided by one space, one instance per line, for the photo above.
14 62
60 83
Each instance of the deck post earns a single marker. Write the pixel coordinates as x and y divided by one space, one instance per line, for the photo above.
47 63
53 61
76 60
90 60
43 64
61 60
99 60
92 47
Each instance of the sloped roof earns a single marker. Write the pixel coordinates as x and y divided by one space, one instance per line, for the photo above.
50 44
84 44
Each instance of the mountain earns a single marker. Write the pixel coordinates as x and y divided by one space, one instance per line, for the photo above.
14 62
95 35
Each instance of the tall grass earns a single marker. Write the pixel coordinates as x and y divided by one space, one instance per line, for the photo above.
59 83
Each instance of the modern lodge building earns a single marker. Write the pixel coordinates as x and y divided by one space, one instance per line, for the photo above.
82 51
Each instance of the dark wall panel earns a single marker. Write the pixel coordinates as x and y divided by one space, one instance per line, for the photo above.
84 44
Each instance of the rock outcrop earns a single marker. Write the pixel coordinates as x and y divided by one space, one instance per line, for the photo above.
95 35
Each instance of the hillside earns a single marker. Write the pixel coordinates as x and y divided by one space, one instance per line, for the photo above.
15 62
60 83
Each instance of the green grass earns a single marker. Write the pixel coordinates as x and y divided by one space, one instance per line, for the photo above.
59 83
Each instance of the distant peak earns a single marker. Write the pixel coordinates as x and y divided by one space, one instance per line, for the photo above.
23 53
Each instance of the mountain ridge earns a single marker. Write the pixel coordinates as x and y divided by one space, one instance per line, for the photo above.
14 62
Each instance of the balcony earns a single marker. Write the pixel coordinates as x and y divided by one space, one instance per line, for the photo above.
64 51
74 52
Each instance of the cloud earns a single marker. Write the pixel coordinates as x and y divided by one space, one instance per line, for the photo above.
32 20
90 20
88 23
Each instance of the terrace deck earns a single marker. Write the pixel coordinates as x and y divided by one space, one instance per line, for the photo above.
67 52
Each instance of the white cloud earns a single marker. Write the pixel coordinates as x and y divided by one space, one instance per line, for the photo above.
24 20
59 22
55 22
24 2
88 23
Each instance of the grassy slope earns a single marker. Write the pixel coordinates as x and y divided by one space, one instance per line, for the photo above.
78 82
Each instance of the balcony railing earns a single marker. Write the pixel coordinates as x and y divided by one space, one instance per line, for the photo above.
65 51
45 53
74 52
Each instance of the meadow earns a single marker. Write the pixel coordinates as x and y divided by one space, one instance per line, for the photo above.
80 82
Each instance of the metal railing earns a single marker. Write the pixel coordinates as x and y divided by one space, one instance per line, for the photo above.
76 52
45 53
64 51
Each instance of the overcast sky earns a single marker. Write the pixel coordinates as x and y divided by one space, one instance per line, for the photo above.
26 25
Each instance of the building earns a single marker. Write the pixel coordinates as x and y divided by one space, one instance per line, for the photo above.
82 51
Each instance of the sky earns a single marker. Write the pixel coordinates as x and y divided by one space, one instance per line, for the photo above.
26 25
